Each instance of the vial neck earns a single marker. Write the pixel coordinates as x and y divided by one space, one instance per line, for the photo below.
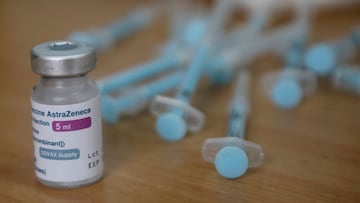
70 81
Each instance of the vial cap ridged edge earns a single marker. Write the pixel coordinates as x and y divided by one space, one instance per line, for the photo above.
63 58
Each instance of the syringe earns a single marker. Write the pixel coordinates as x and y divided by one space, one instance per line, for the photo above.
258 19
324 57
287 87
175 116
293 57
232 155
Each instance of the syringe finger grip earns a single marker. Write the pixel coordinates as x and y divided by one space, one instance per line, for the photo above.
212 146
194 119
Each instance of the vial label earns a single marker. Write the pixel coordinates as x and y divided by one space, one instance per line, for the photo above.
67 141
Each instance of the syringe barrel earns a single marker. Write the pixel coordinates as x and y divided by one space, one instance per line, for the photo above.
138 73
276 41
239 106
220 15
192 76
162 85
256 24
135 100
241 93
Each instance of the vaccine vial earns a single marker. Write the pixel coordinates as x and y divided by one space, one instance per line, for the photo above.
66 117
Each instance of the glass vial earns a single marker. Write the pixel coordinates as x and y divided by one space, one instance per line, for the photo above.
66 117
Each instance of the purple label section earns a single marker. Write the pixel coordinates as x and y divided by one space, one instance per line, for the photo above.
71 125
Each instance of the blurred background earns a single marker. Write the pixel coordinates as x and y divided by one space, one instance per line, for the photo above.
311 150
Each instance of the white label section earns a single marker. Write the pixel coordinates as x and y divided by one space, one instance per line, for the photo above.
67 141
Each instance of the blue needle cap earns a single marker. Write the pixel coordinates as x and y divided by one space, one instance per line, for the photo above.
321 59
171 127
286 93
231 162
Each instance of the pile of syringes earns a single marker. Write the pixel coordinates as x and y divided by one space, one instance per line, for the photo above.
200 47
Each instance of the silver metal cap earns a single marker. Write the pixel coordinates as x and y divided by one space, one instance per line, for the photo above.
63 58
